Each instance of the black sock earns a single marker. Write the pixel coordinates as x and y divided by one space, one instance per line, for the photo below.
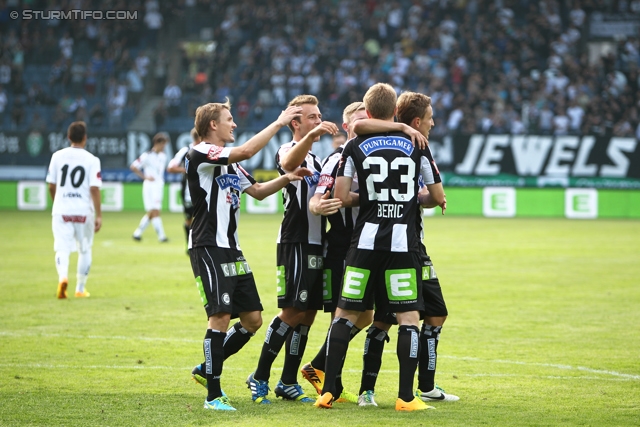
296 344
372 358
237 337
429 338
408 352
338 343
320 360
213 356
274 339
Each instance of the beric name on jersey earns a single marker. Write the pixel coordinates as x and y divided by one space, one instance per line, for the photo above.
388 168
215 189
339 235
298 224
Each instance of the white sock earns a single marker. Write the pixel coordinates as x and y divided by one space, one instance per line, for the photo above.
62 265
157 224
144 223
84 265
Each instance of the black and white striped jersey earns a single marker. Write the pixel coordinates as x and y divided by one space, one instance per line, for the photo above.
388 167
299 225
215 189
338 238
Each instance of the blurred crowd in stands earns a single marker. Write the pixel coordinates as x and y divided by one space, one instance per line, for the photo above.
490 66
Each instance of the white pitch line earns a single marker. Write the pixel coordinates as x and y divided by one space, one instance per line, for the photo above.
232 368
444 356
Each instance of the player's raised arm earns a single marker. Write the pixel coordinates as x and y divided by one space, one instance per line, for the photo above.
296 155
257 143
366 126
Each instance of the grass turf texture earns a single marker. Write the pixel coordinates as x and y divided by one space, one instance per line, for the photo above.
543 329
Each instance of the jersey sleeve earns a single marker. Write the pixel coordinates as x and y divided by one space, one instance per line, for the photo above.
95 175
178 158
246 180
139 162
428 168
214 154
328 173
346 166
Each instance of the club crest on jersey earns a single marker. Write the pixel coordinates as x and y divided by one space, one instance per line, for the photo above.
233 199
228 181
214 152
386 143
325 181
313 179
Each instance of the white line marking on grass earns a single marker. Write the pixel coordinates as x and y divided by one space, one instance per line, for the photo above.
232 368
468 358
95 337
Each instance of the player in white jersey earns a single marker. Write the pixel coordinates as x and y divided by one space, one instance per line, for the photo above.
74 184
150 168
299 259
176 165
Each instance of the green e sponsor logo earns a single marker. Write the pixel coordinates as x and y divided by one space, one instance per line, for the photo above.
203 296
499 202
581 203
401 284
355 282
280 281
327 295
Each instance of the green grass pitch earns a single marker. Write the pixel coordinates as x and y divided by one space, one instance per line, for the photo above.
544 329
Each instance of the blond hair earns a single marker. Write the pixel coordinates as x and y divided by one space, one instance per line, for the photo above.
194 135
350 110
380 101
301 100
412 105
206 113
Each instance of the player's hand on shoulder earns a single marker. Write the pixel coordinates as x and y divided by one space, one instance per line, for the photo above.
417 138
289 114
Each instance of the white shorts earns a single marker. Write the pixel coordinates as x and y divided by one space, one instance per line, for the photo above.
152 194
72 233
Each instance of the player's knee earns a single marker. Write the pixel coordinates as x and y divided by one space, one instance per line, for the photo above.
252 322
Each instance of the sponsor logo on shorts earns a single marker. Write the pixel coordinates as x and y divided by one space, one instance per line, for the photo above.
225 298
315 262
303 296
238 268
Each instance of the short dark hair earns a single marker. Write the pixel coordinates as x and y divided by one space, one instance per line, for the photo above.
160 137
77 132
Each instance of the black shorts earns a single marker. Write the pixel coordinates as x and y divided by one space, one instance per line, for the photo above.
332 283
224 280
390 280
434 305
299 276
